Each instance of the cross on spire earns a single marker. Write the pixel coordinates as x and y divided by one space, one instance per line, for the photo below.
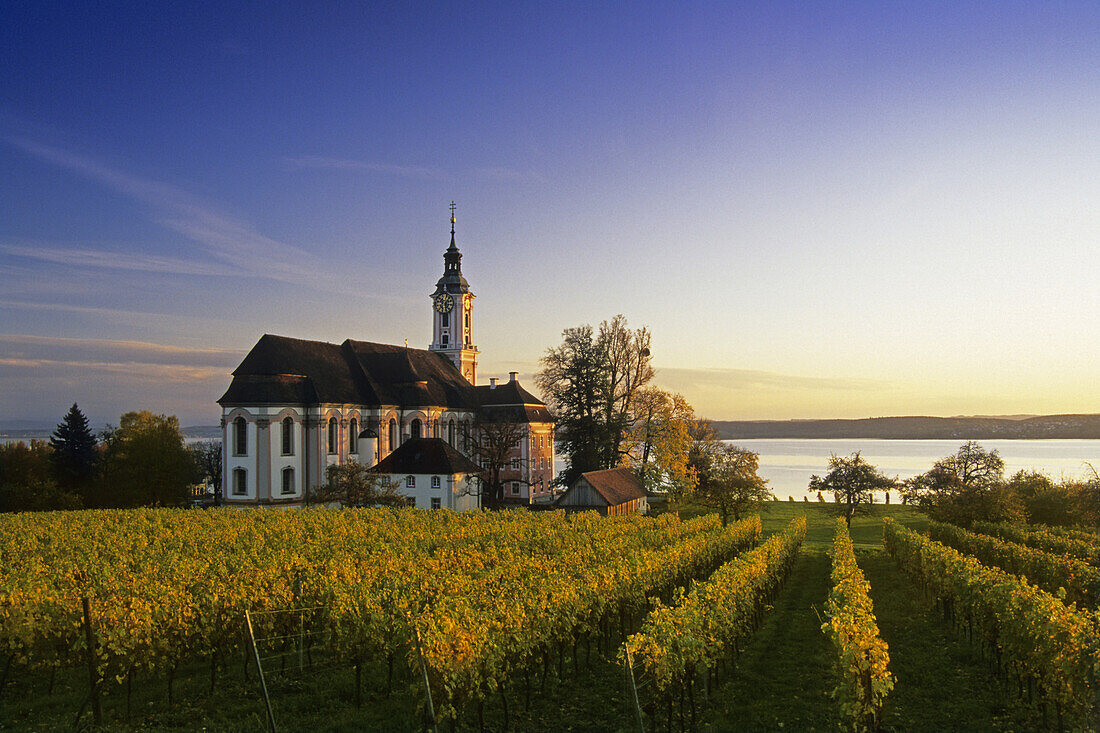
452 217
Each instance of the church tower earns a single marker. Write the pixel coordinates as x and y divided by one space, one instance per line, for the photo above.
452 304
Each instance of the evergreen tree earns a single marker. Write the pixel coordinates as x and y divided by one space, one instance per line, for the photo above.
74 455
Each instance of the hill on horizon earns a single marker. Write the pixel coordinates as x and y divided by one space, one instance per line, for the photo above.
1035 427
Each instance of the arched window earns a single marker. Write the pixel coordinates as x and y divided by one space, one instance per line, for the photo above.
414 429
332 434
288 480
393 434
443 339
353 436
240 482
451 432
466 436
240 437
288 436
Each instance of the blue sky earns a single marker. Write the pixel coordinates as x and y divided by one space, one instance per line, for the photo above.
820 210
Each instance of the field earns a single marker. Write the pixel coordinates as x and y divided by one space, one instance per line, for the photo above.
781 678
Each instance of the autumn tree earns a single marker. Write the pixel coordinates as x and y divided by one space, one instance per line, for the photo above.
659 442
352 484
74 456
145 463
27 480
733 486
853 482
591 382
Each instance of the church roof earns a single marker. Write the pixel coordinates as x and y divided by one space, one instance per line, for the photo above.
426 455
282 370
509 402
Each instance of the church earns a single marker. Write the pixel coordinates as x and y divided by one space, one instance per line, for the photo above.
296 407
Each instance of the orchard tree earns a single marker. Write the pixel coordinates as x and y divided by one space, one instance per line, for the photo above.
733 486
74 457
853 482
966 487
145 463
591 382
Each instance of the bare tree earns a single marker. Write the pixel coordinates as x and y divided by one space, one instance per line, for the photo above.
492 445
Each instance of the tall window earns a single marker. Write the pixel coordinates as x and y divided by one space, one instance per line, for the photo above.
353 436
332 428
446 320
444 339
451 432
240 437
288 436
414 429
288 480
393 434
240 481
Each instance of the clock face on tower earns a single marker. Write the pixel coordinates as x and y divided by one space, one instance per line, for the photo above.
444 303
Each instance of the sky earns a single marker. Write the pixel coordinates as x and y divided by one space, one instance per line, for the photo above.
820 210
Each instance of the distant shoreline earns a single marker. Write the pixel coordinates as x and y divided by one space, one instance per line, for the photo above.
1042 427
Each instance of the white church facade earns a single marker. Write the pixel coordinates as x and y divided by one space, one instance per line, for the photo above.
295 407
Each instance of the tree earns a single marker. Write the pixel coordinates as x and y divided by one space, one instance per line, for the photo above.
590 382
74 457
966 487
853 482
145 463
491 445
733 486
207 457
1044 501
659 442
353 484
27 480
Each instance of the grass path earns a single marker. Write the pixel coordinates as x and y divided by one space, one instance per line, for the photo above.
783 677
940 684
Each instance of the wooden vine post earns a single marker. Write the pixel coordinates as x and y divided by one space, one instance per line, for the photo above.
93 676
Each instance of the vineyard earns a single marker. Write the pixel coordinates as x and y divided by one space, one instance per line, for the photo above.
401 619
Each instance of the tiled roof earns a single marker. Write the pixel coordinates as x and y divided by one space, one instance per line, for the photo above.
616 485
426 455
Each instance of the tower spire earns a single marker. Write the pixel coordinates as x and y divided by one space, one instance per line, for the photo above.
453 226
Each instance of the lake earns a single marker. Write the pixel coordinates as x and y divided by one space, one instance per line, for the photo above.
788 464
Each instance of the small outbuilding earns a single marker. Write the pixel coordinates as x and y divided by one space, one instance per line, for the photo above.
611 492
432 475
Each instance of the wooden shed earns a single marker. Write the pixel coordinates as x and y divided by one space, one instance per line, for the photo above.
611 492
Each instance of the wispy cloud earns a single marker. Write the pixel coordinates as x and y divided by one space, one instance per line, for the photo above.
102 351
749 379
222 237
85 257
166 373
319 162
